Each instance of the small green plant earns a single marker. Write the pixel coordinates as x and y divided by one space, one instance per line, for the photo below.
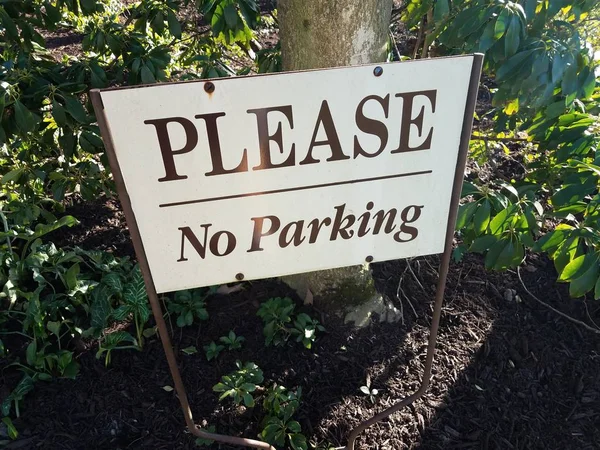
277 313
115 341
232 341
305 329
135 304
190 304
212 350
240 384
278 426
371 393
18 394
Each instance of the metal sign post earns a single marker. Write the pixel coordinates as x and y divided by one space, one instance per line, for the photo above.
188 223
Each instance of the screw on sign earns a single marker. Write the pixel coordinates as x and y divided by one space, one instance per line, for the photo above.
255 177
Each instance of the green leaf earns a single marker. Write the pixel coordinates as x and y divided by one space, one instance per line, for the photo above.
31 353
493 254
71 276
248 400
488 38
71 370
482 243
25 119
597 290
577 267
147 75
581 285
174 25
59 114
465 214
501 23
54 328
512 38
298 441
88 6
231 16
508 68
12 431
501 220
100 307
440 10
158 23
482 218
75 109
13 175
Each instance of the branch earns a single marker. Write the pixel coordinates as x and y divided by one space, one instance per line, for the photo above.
560 313
501 139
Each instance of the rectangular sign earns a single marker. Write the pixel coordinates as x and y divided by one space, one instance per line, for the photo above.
286 173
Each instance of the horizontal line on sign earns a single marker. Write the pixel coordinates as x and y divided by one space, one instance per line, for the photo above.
298 188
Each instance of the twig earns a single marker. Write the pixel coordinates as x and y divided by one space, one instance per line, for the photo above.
587 312
501 139
400 290
560 313
415 276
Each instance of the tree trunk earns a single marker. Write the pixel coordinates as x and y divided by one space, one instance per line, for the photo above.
328 33
331 33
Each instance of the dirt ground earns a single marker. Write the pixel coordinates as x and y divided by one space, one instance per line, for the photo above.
509 373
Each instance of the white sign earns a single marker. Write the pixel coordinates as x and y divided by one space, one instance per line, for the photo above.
288 173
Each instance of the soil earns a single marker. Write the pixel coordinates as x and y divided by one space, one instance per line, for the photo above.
509 373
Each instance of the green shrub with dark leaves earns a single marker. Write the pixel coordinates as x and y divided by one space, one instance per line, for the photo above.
545 90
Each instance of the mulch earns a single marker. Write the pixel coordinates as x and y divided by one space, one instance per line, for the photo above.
508 373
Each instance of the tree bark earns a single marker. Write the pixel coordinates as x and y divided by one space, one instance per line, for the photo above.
328 33
332 33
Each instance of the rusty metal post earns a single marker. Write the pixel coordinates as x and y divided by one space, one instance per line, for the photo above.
151 290
445 262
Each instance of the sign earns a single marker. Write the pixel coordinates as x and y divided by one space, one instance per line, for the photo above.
270 175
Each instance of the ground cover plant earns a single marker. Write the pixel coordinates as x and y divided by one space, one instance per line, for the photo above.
530 194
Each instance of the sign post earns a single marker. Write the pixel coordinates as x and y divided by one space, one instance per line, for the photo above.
263 176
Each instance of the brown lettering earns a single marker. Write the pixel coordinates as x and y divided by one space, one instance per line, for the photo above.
380 217
404 228
316 225
164 142
258 233
264 137
214 243
371 126
187 233
339 227
333 141
215 147
407 121
296 237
